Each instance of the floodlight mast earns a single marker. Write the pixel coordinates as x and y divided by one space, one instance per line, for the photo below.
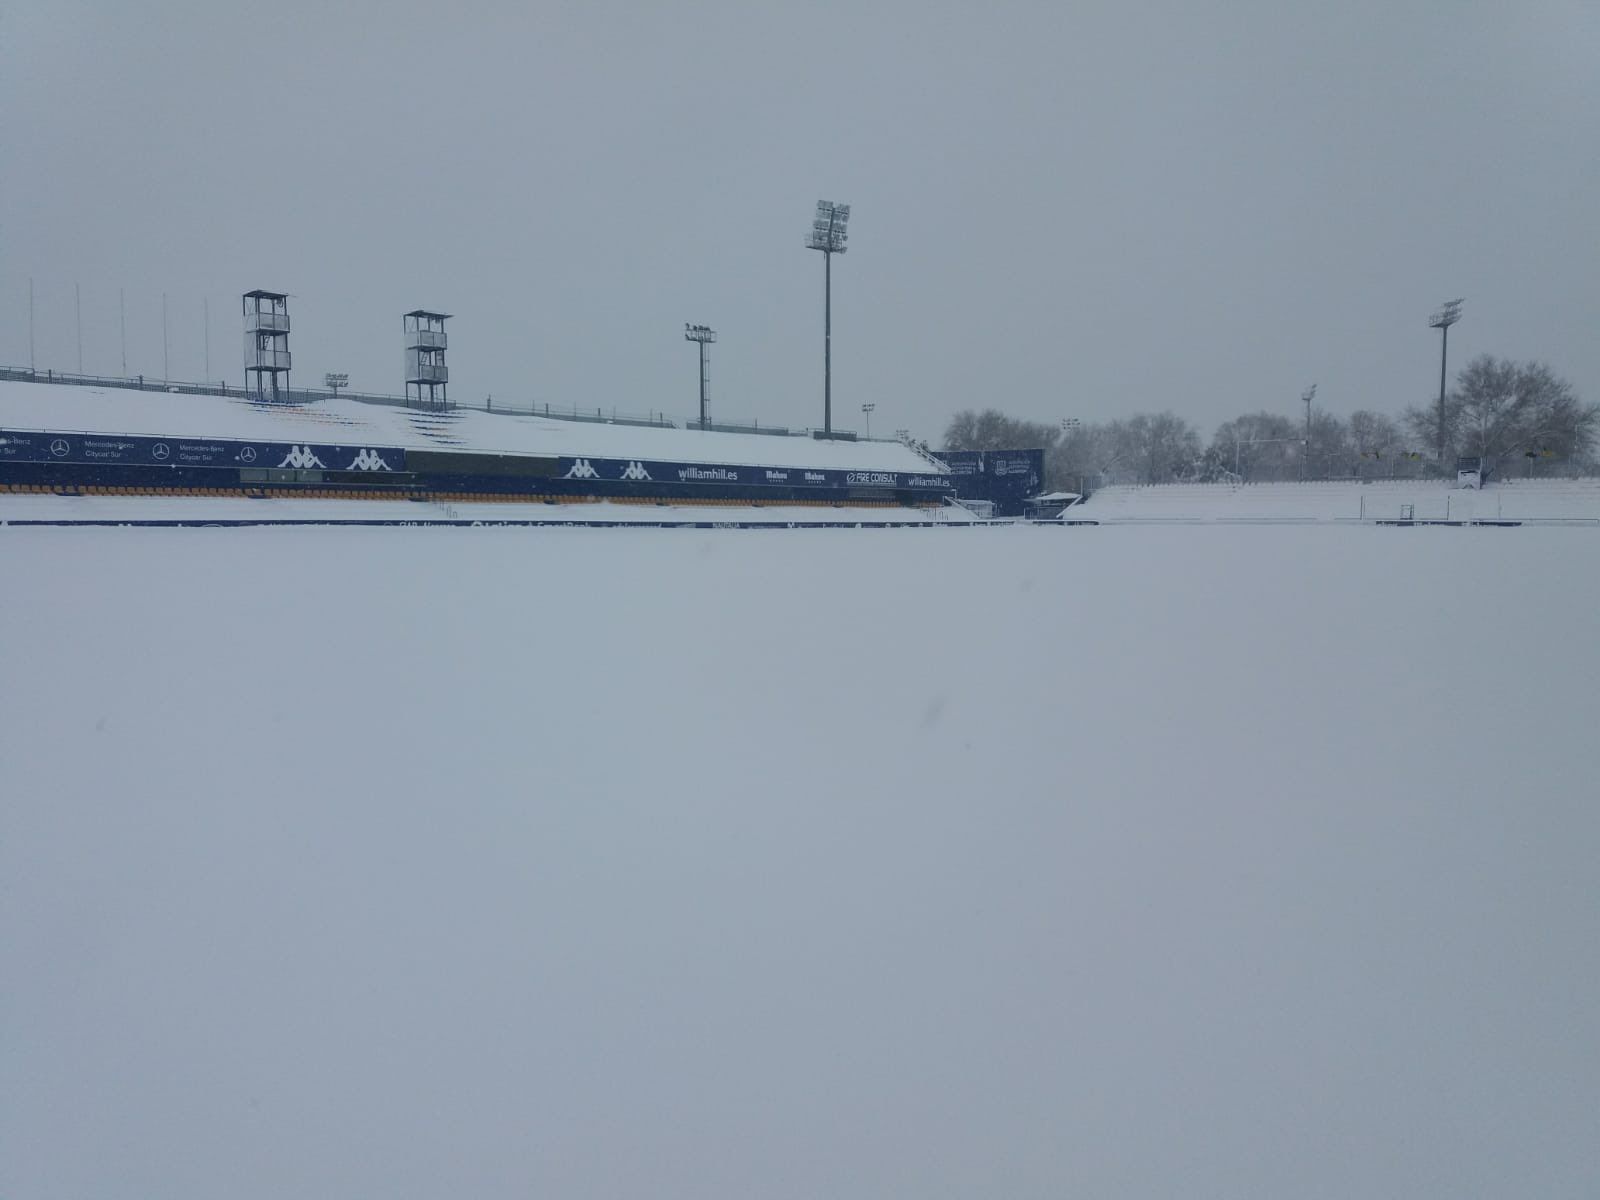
828 234
1447 316
866 412
703 334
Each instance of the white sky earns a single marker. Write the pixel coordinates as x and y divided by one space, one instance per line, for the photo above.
1083 209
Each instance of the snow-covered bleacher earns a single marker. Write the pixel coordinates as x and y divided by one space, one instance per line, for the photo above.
1383 500
102 410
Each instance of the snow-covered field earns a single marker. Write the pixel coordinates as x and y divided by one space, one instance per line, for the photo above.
1024 862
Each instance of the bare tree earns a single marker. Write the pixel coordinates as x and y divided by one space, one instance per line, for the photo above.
993 430
1375 440
1259 446
1079 459
1328 452
1500 410
1162 446
1561 428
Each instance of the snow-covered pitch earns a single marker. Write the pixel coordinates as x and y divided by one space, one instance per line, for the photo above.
1024 862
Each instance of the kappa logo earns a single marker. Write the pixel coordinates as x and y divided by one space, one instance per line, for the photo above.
582 469
300 458
636 471
368 460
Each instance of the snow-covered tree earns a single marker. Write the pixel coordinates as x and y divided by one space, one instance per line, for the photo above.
1500 410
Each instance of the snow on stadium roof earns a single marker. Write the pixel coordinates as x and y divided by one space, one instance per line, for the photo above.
67 408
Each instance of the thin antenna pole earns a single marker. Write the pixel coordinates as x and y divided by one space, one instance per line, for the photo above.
77 304
30 324
206 302
122 327
166 373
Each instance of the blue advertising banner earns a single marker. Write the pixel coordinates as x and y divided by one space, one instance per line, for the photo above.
1007 477
635 470
115 450
96 449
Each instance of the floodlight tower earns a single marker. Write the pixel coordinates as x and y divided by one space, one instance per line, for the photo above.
266 342
1442 320
705 335
426 341
828 232
866 412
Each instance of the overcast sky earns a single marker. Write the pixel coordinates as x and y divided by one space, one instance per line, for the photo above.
1058 209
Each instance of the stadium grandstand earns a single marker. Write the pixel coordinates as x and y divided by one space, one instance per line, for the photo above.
110 442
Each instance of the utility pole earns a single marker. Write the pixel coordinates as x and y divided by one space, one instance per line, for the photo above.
1447 316
1305 446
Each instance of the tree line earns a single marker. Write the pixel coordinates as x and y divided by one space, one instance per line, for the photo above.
1518 418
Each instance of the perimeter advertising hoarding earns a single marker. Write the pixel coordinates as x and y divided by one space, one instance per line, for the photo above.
635 470
102 449
117 450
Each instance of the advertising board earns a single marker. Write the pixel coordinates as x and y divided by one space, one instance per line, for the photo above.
103 449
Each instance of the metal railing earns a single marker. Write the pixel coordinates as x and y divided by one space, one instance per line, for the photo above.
267 358
933 460
145 383
742 427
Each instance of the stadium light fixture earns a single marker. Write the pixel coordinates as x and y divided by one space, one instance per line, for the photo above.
1448 314
705 335
866 412
829 232
336 380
